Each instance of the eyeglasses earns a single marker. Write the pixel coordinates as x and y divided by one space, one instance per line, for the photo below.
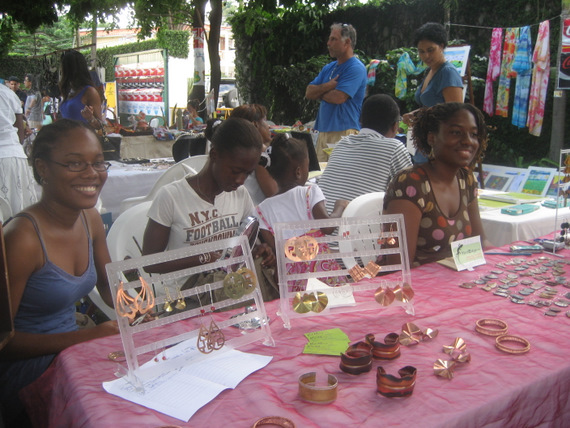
99 166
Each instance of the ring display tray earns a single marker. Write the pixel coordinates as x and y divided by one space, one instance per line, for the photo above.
364 266
172 320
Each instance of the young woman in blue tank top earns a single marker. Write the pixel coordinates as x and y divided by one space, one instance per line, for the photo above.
81 101
56 252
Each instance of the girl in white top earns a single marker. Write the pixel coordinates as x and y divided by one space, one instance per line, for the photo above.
294 200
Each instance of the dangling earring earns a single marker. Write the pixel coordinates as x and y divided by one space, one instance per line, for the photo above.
392 240
216 338
125 305
168 302
180 303
431 155
145 298
202 341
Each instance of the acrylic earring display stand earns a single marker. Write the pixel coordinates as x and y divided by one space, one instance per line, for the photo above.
358 242
147 340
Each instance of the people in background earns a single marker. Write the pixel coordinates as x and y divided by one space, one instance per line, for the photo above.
439 198
33 108
56 252
442 83
340 86
295 201
366 162
14 85
80 99
47 106
190 116
259 184
17 185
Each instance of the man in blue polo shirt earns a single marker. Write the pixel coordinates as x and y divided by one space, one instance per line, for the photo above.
340 86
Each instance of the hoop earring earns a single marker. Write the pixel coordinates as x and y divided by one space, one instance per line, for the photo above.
145 298
125 305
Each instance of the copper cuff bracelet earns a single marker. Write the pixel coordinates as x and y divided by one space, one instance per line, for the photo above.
311 393
391 386
388 350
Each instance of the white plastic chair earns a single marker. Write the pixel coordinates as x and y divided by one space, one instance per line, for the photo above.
188 166
367 205
123 240
126 234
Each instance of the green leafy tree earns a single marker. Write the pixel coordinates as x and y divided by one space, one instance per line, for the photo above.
45 39
175 14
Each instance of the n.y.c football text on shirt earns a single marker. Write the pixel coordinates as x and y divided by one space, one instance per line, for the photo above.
209 225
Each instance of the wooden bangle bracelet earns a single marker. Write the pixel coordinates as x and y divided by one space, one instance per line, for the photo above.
311 393
500 344
500 328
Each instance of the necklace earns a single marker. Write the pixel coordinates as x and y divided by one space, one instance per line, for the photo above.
333 71
201 193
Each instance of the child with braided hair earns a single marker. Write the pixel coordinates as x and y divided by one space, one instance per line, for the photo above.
296 201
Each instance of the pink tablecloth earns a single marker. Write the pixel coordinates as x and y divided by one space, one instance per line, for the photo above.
493 390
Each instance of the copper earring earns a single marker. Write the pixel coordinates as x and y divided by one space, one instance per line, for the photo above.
145 298
125 305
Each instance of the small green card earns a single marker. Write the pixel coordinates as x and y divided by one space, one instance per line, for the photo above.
326 342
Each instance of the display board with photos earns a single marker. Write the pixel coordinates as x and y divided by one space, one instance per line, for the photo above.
494 174
159 310
537 181
363 264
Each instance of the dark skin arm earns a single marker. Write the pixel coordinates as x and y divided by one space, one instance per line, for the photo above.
155 241
19 124
320 212
267 184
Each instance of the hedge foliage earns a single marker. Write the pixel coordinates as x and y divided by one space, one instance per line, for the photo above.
279 53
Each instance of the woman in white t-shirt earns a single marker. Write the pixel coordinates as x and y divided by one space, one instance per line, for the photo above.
210 205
